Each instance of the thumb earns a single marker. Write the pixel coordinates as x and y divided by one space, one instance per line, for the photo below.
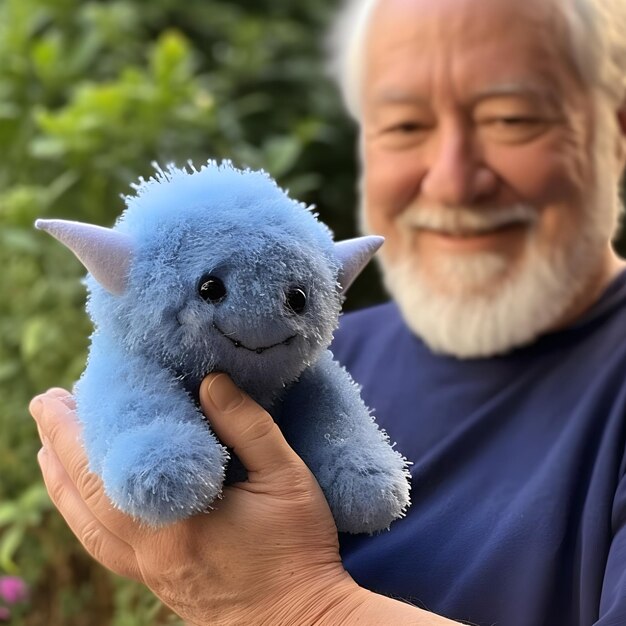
244 426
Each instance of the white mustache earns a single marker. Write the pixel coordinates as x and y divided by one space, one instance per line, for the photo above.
462 221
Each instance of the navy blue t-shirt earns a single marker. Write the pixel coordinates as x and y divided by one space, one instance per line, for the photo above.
518 488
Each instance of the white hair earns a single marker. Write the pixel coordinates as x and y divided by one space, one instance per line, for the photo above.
346 49
596 33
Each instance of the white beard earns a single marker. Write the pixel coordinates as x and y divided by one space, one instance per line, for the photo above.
475 305
486 323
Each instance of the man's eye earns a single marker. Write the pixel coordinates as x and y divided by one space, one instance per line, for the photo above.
514 128
406 127
516 121
404 134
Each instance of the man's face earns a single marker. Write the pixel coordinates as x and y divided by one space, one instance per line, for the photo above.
485 165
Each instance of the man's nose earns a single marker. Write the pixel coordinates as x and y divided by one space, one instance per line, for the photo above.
456 173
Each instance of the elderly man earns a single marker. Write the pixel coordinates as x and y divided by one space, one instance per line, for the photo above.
492 137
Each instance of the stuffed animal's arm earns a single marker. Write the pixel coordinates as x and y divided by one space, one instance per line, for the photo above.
326 422
145 437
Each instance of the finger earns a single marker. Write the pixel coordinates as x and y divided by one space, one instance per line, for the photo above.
101 544
56 392
60 431
62 394
36 404
245 426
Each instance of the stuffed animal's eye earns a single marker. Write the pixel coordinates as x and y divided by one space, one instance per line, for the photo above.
211 288
295 299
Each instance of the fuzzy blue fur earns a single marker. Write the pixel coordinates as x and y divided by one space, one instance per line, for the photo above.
152 345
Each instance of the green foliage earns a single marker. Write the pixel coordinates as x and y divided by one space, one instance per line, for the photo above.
90 94
18 516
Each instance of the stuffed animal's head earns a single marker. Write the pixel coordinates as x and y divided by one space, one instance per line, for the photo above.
217 269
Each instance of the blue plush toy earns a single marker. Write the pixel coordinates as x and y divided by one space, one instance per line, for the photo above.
218 269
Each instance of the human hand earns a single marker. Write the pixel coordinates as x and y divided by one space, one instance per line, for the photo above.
267 553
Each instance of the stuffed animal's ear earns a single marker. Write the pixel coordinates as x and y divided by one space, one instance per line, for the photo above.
354 255
104 252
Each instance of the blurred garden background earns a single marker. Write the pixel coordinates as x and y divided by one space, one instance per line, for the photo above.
90 94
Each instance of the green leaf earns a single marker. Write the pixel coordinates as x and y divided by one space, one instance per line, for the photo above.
281 154
46 55
170 60
35 498
9 543
9 512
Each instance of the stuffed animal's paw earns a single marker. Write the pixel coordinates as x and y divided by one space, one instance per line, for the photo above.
365 499
164 471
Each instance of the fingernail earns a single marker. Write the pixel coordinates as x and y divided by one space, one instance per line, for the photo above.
36 407
42 455
224 394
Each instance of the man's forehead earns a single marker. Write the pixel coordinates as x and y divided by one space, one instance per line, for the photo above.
530 90
483 47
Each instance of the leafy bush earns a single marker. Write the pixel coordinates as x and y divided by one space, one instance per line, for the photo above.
90 94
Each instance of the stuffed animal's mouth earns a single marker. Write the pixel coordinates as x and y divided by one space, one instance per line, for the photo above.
259 350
